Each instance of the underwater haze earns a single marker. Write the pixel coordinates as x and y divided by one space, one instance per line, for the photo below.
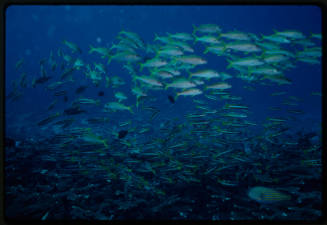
163 112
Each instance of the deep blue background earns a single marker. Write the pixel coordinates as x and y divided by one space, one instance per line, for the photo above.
32 31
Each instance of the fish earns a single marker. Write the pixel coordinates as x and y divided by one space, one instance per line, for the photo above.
207 74
206 28
181 36
102 51
94 139
153 63
249 62
180 83
275 58
125 56
207 39
309 60
9 142
97 120
243 47
317 35
55 85
72 46
219 86
133 37
231 106
52 104
87 101
189 59
122 134
65 123
74 110
280 79
78 64
266 195
60 93
169 51
189 92
67 73
215 49
291 34
310 52
23 80
277 38
171 99
148 80
81 89
48 119
42 80
278 93
316 93
100 93
120 96
235 35
100 67
236 115
162 74
19 63
114 106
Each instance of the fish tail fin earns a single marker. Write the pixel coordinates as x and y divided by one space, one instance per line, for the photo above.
206 50
263 78
105 143
91 49
196 38
137 102
166 87
34 82
109 59
173 61
141 66
194 30
130 109
134 78
230 63
156 37
250 71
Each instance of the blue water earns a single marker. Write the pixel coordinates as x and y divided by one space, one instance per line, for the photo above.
33 31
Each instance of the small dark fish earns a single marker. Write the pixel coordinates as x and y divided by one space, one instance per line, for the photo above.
51 106
171 99
66 73
65 99
73 110
10 143
48 120
98 120
80 89
60 93
42 61
65 123
122 134
101 93
42 79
